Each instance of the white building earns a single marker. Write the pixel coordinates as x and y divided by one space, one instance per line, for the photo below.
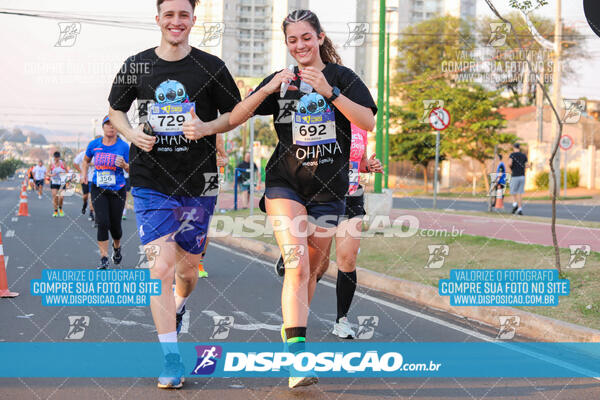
252 42
401 14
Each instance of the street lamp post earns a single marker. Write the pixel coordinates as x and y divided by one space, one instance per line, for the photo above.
380 90
386 156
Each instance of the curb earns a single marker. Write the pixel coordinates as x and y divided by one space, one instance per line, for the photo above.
532 326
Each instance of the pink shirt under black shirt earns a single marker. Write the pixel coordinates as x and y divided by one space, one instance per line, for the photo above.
357 149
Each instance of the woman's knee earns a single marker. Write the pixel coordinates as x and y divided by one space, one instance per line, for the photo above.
346 262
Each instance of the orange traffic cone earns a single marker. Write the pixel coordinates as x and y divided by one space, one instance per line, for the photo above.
4 292
499 199
23 207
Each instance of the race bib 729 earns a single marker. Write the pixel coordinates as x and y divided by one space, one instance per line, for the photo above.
168 119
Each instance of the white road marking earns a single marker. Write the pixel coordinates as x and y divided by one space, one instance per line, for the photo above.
114 321
252 326
477 335
14 219
10 233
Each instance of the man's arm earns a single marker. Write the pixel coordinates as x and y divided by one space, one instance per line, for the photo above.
196 128
135 135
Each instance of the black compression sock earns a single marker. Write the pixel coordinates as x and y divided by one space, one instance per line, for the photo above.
296 338
344 289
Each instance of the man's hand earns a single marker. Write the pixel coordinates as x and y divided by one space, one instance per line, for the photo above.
195 128
141 140
83 179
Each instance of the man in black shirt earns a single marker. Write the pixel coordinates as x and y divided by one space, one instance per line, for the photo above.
517 162
244 178
185 96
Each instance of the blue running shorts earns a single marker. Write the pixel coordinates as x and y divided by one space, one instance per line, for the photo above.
184 219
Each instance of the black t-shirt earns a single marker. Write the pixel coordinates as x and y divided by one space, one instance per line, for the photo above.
175 165
245 175
518 163
315 172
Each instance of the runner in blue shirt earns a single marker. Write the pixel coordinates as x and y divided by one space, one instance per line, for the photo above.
111 159
501 171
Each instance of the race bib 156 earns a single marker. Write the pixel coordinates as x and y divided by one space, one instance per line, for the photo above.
105 178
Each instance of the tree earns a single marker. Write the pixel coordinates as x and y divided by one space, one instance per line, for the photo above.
263 132
8 167
523 90
475 126
477 130
424 46
415 143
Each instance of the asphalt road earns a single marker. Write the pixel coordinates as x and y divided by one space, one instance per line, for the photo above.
563 211
239 285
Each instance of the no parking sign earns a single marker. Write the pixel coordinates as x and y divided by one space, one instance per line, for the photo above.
566 142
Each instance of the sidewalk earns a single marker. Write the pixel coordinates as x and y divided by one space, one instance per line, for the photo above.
509 228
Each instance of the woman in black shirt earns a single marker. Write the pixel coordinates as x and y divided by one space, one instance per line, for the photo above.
312 106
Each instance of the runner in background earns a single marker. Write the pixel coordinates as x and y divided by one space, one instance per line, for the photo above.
56 172
347 242
39 173
517 161
500 175
244 179
30 179
222 160
307 175
127 190
111 159
174 174
85 187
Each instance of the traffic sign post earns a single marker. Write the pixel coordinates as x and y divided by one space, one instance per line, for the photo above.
439 119
566 142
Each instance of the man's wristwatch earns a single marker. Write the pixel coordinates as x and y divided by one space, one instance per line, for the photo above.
335 92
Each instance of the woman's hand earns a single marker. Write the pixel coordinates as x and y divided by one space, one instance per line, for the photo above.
374 164
283 76
222 160
316 79
120 162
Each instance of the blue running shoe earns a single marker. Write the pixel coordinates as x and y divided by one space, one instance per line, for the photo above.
172 374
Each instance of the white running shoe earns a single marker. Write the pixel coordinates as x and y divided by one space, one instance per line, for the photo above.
294 382
343 329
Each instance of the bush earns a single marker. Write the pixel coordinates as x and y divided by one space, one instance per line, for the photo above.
573 178
542 179
8 167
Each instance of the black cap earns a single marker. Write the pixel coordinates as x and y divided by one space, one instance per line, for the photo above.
57 154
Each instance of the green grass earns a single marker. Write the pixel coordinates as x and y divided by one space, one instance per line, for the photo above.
406 258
